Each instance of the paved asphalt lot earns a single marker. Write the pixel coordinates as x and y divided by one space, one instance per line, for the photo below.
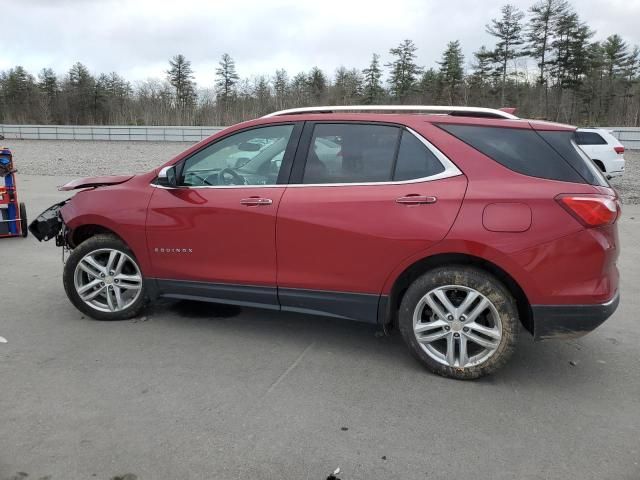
197 391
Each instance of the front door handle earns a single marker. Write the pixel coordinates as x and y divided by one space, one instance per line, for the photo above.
256 201
416 199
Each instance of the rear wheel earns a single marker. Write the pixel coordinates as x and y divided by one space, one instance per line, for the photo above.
600 165
24 225
102 279
459 321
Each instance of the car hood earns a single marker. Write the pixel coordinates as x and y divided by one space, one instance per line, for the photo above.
90 182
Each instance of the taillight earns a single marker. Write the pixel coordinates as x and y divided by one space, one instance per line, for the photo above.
591 210
619 150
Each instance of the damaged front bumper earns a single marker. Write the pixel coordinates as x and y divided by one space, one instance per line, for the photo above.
49 224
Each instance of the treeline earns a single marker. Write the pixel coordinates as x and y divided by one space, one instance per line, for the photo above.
544 62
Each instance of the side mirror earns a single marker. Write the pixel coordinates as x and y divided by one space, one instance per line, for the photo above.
167 177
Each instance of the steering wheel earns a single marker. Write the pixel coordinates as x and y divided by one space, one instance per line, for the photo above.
236 179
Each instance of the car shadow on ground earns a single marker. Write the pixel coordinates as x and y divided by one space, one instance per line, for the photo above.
563 362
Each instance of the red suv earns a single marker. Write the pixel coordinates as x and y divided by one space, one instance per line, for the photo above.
456 224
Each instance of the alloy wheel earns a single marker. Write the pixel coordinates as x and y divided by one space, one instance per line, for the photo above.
457 326
108 280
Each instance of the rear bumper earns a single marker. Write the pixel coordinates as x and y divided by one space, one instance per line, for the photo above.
569 321
615 168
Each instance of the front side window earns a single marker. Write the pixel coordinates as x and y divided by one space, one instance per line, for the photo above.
351 153
251 157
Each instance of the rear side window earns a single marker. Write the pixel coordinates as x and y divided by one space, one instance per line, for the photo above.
415 160
521 150
589 138
564 143
351 153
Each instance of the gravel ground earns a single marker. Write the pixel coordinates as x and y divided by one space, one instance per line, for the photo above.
84 158
628 186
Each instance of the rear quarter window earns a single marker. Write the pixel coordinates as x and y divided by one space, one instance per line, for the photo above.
524 151
415 160
589 138
564 143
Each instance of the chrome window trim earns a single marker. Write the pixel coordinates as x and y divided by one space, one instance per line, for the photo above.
283 185
450 170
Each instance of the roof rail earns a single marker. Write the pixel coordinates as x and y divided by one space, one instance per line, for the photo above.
452 110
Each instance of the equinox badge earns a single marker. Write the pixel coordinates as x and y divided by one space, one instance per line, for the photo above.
173 250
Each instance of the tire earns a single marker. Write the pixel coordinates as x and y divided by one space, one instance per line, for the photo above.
495 324
115 288
24 225
600 165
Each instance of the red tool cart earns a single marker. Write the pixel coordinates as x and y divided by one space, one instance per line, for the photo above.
13 214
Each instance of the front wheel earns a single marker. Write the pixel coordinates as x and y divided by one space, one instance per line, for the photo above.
459 321
102 279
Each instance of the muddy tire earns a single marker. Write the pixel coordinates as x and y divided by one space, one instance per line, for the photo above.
24 224
102 279
459 322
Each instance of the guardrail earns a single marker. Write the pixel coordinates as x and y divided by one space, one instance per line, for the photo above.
104 132
628 136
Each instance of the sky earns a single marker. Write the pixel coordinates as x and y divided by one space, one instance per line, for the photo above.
137 37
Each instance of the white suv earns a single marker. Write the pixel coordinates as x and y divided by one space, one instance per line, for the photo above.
603 148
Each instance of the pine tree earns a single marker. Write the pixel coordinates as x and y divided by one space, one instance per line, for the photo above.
280 87
347 86
615 62
544 17
616 55
262 95
631 80
451 71
480 82
372 88
430 86
48 82
300 90
570 59
633 64
227 78
317 84
80 90
482 65
180 76
540 30
508 31
49 88
18 93
404 70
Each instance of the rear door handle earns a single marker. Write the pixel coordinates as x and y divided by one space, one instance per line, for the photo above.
415 199
256 201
